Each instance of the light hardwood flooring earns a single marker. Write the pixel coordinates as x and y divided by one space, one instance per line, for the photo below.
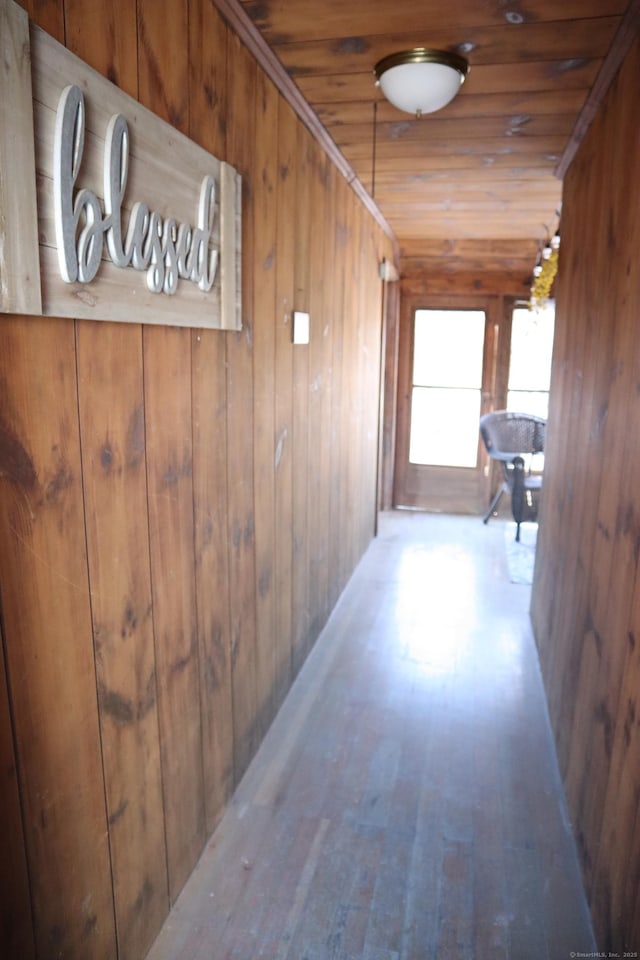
406 803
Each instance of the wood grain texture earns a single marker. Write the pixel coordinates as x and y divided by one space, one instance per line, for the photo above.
158 155
530 75
19 265
348 439
115 486
106 41
163 39
211 568
48 642
147 490
49 15
371 366
341 242
331 352
490 78
473 106
588 37
408 794
111 409
319 391
264 436
207 121
16 921
207 78
283 425
241 86
269 62
585 599
169 431
422 486
389 398
292 23
302 267
624 37
462 281
167 372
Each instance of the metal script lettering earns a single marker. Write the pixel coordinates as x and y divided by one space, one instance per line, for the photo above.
166 250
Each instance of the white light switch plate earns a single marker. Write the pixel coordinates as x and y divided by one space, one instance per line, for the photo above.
300 327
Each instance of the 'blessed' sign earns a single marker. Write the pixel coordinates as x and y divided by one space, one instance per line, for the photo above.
130 221
159 246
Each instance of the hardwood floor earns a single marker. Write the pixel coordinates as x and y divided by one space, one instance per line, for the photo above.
406 803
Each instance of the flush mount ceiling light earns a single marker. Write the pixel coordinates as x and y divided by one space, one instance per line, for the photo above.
421 80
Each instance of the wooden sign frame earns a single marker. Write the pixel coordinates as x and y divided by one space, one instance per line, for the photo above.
180 208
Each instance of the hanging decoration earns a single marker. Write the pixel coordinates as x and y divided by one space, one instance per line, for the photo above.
544 272
142 226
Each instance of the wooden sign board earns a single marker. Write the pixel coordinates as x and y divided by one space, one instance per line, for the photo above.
106 211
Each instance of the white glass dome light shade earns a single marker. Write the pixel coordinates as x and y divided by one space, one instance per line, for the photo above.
421 81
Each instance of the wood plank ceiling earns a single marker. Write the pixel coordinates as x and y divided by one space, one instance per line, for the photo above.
475 182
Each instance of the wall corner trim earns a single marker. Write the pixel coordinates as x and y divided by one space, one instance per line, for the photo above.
239 20
626 34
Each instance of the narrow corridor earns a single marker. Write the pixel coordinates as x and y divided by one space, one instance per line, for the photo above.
406 802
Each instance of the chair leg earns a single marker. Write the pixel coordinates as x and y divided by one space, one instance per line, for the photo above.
517 494
494 504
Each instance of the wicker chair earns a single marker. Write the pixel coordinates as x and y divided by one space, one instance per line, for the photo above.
513 439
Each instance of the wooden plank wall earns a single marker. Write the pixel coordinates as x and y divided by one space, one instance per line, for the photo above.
586 594
179 510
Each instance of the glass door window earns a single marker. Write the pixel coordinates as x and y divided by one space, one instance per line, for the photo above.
446 390
530 362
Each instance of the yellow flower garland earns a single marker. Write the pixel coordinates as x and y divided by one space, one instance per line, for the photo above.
542 284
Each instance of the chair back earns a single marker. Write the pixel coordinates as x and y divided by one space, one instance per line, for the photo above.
506 434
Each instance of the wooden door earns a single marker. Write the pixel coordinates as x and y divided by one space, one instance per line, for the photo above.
440 463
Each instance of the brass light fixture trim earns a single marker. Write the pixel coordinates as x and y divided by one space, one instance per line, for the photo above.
419 89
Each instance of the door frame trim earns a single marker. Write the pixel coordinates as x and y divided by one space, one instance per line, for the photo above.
497 312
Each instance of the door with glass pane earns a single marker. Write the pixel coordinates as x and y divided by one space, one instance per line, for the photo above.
530 359
446 363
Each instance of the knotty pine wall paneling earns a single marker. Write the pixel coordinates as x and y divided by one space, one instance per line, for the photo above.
368 358
47 633
179 509
319 388
167 373
302 271
348 443
340 244
107 39
586 593
49 15
356 345
371 359
358 359
264 269
330 295
111 407
163 71
353 348
241 86
389 400
16 923
368 350
283 400
207 124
